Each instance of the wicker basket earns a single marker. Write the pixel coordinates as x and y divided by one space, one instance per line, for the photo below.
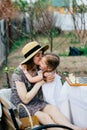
30 121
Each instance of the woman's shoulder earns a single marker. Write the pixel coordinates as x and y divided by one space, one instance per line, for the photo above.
17 73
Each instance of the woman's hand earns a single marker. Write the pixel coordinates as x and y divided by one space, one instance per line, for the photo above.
49 77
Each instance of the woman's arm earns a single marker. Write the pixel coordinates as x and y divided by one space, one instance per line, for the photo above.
27 96
49 76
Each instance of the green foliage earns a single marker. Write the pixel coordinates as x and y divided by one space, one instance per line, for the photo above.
67 35
73 37
10 69
54 32
81 8
83 50
18 43
63 75
22 4
64 54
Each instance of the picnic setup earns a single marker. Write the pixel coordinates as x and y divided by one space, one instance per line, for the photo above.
74 100
73 104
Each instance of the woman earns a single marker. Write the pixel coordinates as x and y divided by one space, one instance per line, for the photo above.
48 64
27 93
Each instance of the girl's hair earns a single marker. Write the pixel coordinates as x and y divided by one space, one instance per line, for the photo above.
52 60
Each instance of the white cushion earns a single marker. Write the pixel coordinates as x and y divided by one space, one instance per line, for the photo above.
5 93
0 111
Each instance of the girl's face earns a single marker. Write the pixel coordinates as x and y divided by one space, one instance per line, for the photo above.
37 58
43 65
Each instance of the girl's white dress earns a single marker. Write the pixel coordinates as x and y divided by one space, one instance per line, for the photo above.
51 91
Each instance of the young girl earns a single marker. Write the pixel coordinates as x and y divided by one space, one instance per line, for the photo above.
51 90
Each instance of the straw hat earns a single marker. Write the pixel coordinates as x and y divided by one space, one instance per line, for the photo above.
30 49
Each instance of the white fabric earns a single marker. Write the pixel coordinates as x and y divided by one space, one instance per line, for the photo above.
51 90
64 104
75 101
0 111
6 94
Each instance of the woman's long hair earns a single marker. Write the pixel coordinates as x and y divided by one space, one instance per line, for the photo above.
30 64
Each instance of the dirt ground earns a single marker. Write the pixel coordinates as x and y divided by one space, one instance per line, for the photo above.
71 64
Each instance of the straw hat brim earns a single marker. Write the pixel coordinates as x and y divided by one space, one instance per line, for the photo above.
44 48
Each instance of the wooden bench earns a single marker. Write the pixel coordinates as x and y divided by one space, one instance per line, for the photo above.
9 116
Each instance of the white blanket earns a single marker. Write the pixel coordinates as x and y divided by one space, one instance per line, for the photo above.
6 94
73 104
0 111
51 91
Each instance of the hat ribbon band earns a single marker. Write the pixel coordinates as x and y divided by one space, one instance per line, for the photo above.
32 50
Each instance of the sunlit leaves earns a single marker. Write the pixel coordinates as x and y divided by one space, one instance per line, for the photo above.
10 69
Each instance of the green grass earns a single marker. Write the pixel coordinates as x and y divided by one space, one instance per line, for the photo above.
73 37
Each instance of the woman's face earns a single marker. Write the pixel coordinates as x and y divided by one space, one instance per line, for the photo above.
37 58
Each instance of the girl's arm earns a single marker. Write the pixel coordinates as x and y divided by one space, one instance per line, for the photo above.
25 96
34 79
31 79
